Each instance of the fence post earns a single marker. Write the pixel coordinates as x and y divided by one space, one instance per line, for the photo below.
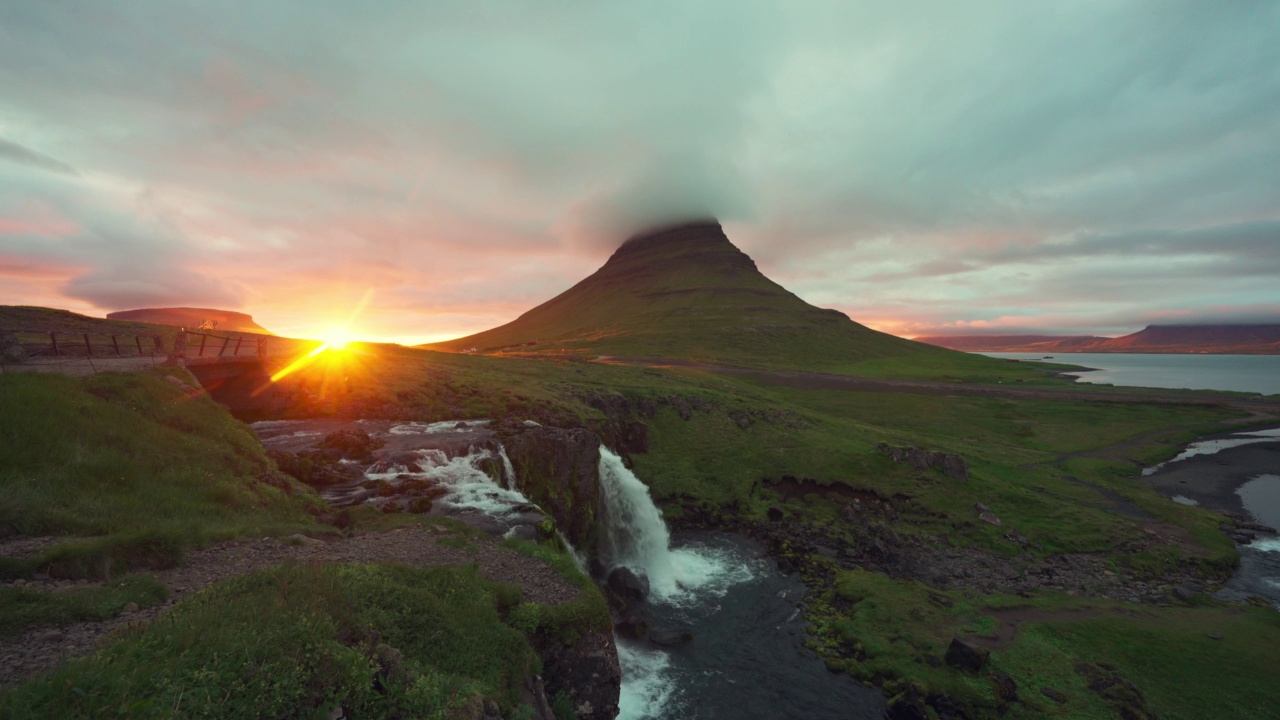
223 349
157 344
115 344
88 349
10 348
203 340
53 338
239 340
137 340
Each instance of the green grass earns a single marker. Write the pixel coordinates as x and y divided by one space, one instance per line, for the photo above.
134 471
380 641
896 632
24 608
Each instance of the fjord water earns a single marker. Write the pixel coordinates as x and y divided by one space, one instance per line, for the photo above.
746 658
1236 373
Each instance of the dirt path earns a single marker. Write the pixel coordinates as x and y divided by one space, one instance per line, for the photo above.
33 651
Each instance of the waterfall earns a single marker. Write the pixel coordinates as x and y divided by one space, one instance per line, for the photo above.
508 470
635 536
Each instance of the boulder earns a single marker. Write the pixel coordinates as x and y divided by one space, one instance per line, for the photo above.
964 656
668 637
628 585
1005 686
907 706
989 517
352 443
775 514
631 626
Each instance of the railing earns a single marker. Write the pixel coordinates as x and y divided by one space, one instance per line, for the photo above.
39 343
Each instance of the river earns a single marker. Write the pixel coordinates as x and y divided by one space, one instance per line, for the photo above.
1236 373
746 658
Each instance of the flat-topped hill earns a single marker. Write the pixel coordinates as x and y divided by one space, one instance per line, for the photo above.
687 293
193 319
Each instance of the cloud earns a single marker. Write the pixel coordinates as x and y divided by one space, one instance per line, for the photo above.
922 162
13 152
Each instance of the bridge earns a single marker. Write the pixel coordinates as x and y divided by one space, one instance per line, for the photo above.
235 368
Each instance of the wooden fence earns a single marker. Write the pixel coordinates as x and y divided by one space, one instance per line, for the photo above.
39 343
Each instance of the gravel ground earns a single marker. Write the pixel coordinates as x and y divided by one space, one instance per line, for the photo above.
36 650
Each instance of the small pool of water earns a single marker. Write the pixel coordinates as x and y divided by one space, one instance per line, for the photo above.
1261 497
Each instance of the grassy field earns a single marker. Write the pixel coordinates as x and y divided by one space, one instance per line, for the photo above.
379 641
132 473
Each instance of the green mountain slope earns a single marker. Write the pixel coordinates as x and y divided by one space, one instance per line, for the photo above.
686 293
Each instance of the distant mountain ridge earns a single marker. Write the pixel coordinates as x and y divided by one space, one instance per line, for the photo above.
193 319
686 292
1253 339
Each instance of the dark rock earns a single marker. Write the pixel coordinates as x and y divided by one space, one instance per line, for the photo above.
586 671
989 518
1054 694
954 467
785 566
1005 687
558 469
907 706
1187 591
670 637
964 656
420 505
775 514
628 585
352 443
825 551
631 626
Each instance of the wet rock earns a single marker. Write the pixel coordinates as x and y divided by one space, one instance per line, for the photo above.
965 656
558 468
631 626
352 443
628 585
668 637
420 505
586 671
907 706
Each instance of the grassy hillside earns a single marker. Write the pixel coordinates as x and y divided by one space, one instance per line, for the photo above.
131 472
688 294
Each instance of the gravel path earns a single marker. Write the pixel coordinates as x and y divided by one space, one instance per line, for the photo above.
36 650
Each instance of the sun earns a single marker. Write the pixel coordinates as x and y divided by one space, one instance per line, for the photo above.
336 338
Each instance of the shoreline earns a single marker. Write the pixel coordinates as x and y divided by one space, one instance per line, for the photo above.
1214 479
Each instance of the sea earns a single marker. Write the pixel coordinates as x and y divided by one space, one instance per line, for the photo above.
1237 373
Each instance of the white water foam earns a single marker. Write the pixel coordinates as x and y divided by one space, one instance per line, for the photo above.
468 486
1268 545
508 471
417 428
635 536
647 688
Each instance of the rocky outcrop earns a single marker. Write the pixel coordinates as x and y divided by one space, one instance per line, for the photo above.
952 465
559 469
585 671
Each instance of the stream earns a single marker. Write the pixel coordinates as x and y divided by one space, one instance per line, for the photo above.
746 657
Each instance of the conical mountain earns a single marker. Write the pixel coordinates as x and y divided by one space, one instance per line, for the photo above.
686 293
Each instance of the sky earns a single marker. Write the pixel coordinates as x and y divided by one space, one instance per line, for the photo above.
926 167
